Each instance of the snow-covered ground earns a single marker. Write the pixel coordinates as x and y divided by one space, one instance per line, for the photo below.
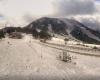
61 41
28 59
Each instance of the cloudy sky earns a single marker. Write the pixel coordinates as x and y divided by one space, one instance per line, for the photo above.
21 11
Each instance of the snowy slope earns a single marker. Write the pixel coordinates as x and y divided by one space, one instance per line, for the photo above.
66 27
27 59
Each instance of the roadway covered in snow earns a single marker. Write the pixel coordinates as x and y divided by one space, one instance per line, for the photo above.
27 59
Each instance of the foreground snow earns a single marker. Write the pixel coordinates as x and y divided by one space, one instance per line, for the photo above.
27 59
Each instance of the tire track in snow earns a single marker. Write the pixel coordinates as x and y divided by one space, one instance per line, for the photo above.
78 48
65 74
62 48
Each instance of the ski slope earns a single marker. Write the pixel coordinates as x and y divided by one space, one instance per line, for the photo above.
27 59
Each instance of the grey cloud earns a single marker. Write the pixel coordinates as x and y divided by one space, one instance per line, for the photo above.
74 7
2 16
28 17
91 23
2 0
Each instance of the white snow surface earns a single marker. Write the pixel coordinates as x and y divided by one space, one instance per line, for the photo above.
27 59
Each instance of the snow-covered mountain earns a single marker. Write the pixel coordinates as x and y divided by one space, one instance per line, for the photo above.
66 27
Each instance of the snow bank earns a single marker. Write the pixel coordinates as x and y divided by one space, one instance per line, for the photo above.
57 41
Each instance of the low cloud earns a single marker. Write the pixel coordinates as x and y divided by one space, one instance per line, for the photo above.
28 18
90 21
86 11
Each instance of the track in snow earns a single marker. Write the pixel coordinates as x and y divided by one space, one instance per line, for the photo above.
25 60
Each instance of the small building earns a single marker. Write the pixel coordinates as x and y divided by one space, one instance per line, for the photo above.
65 56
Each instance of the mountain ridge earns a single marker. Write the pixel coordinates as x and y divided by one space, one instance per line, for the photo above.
66 27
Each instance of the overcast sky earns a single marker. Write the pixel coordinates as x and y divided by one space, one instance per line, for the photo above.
19 11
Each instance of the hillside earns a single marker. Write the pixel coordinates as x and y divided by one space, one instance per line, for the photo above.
68 28
65 27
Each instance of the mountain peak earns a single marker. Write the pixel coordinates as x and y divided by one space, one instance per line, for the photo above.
67 28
